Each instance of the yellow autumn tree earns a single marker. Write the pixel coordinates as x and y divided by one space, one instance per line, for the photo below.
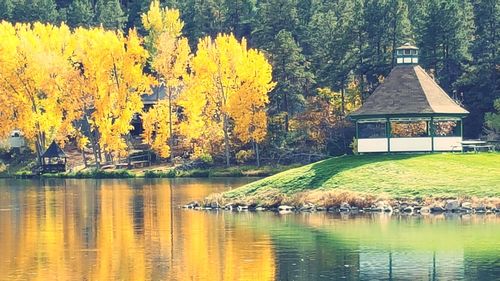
35 84
112 81
228 92
171 54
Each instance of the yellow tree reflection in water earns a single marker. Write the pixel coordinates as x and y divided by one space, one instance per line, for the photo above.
111 230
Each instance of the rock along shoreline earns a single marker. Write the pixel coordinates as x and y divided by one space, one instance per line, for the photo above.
417 207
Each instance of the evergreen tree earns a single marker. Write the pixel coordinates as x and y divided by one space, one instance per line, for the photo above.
6 8
134 10
333 43
481 85
399 31
35 10
445 40
272 17
290 69
202 18
239 15
109 13
80 13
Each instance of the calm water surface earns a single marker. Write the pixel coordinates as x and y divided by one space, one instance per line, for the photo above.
134 230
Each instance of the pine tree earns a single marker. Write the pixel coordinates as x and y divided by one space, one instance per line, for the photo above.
6 8
134 11
80 13
272 17
202 18
109 13
290 68
481 85
445 40
238 19
36 10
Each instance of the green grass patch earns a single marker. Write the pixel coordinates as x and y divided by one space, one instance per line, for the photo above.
396 176
93 174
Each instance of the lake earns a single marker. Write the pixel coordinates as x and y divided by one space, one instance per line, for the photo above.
133 229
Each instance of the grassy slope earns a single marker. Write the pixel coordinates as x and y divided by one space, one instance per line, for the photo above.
403 175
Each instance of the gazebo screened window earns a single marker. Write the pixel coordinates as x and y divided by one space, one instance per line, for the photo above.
447 127
371 129
409 128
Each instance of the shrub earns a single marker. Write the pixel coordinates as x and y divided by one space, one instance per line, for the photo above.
244 156
205 158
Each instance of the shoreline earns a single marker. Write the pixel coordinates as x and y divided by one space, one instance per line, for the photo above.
359 205
159 171
434 183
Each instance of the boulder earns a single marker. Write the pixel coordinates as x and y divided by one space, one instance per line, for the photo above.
437 209
242 208
467 205
452 205
192 205
344 207
480 210
408 210
260 208
425 210
308 207
285 208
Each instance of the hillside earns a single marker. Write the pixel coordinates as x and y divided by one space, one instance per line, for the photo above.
383 176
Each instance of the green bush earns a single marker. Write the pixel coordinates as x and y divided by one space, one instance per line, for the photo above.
158 174
206 158
244 156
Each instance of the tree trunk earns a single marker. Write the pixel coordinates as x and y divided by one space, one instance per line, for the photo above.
257 154
171 140
287 121
342 93
38 150
84 158
226 139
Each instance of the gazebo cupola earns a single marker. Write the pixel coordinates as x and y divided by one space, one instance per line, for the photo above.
407 54
408 112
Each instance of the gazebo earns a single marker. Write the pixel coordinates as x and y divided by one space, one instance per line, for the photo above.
54 159
408 112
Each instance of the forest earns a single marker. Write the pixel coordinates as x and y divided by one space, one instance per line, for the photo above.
292 71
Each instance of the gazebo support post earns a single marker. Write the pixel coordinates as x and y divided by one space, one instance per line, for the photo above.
388 134
431 132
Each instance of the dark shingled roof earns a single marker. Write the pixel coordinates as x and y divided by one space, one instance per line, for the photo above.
158 93
54 151
408 90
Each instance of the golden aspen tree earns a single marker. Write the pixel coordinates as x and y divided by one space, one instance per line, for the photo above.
248 109
35 86
112 78
228 89
170 58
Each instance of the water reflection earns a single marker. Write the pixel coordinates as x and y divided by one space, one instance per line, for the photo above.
133 230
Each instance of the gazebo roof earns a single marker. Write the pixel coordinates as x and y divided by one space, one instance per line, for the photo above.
54 151
408 90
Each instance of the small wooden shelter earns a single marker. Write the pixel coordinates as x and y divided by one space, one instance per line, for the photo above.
408 112
54 159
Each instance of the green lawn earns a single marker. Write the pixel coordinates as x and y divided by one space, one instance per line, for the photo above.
394 176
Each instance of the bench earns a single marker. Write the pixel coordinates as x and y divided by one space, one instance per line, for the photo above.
122 166
477 148
139 164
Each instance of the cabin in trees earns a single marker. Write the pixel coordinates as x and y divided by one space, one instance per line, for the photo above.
408 112
158 93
